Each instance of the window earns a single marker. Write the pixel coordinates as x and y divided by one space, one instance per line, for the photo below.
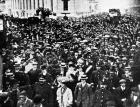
65 3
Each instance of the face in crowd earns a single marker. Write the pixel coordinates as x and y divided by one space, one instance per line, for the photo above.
110 104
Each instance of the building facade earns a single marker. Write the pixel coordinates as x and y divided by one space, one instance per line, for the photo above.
27 8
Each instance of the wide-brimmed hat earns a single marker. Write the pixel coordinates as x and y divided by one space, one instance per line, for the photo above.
128 67
63 64
122 81
84 77
63 79
41 79
34 63
23 93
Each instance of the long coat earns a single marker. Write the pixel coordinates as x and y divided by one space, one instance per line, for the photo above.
83 95
46 91
64 97
100 97
122 93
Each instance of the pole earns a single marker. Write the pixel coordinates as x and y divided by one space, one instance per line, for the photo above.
1 73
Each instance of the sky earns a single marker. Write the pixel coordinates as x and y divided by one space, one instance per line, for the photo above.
105 5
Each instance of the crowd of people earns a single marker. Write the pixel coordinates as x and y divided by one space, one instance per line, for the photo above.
84 62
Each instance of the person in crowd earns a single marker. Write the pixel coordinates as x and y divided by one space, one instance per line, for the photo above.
123 91
99 46
71 72
6 100
101 95
64 94
34 74
23 100
89 70
82 93
112 102
80 68
44 89
37 101
45 74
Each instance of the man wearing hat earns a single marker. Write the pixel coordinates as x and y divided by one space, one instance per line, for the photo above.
82 93
37 101
101 95
24 101
123 92
34 73
44 89
134 98
64 94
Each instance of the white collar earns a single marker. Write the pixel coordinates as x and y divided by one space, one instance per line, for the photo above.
135 97
123 88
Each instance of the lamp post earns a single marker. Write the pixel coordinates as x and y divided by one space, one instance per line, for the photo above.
2 45
65 17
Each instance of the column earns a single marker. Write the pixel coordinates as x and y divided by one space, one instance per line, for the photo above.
36 4
25 4
40 3
45 3
51 5
55 5
32 4
28 4
18 4
12 4
14 8
48 4
15 4
22 4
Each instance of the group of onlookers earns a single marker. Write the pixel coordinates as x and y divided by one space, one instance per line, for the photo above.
71 63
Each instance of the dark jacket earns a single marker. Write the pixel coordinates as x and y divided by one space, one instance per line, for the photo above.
100 97
82 95
45 90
